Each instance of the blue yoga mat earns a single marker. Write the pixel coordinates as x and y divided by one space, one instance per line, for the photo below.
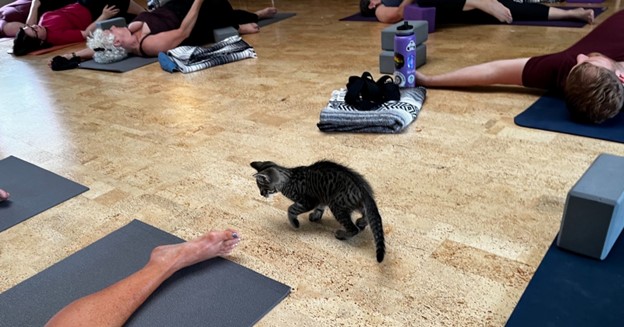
572 290
551 114
217 292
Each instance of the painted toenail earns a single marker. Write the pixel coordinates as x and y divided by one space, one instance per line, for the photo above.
234 235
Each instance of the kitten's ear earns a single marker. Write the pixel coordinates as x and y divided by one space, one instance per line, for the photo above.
262 165
263 179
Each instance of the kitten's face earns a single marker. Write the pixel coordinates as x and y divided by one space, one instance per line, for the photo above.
266 189
265 178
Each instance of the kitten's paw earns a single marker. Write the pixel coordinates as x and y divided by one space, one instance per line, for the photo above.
343 235
316 216
361 223
294 223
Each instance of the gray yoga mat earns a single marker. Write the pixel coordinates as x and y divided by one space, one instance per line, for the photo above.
217 292
278 17
33 190
122 66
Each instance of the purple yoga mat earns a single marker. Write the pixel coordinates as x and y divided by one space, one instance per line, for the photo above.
558 23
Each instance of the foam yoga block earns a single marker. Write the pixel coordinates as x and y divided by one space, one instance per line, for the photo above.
415 12
387 34
221 34
593 217
386 59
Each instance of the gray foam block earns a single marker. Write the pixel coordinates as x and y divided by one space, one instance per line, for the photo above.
221 34
593 216
217 292
420 31
106 24
33 190
386 59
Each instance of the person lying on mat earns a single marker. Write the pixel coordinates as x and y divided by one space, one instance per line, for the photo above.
4 195
474 11
589 75
113 305
13 15
178 22
69 24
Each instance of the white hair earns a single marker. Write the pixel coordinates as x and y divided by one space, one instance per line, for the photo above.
102 43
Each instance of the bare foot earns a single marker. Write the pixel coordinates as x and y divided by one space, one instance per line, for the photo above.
493 8
4 195
267 12
583 14
208 246
250 28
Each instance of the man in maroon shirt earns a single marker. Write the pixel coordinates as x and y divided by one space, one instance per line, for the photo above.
589 74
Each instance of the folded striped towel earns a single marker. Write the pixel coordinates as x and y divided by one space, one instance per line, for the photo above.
188 59
389 117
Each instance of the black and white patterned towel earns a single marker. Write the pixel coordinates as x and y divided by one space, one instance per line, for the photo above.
389 117
190 59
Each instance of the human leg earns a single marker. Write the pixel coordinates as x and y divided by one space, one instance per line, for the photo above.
583 14
113 305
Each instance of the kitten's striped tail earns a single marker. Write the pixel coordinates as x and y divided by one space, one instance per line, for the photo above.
374 220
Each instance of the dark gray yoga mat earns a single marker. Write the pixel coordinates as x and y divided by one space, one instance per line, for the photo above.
122 66
217 292
278 17
33 190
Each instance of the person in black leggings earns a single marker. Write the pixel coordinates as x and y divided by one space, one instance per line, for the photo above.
500 11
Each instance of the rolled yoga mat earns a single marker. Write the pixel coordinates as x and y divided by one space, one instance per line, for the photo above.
217 292
33 190
550 113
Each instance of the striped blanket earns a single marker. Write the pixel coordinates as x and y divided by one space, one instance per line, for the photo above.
188 59
389 117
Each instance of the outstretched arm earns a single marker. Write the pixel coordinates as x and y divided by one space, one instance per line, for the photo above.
113 305
506 72
391 15
33 14
165 41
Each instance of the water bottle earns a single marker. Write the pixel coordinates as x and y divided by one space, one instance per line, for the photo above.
405 56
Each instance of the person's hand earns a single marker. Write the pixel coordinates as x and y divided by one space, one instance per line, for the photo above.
109 12
496 9
421 79
36 3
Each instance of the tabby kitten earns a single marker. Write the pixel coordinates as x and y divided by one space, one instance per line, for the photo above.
324 184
